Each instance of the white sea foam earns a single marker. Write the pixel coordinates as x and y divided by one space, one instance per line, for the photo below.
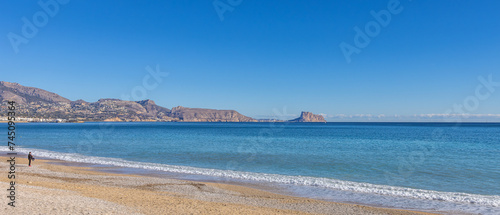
488 201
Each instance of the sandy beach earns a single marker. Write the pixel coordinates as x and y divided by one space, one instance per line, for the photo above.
51 188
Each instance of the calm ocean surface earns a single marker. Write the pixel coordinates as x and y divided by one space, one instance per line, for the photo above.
425 166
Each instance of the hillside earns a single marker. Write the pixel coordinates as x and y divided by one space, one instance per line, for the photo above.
25 95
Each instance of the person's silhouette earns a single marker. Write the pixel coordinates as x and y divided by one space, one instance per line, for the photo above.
30 157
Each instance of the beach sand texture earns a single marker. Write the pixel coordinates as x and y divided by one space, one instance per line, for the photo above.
50 188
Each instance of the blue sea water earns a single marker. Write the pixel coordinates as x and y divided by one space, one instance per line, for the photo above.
424 166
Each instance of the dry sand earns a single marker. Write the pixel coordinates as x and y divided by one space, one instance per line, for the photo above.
47 188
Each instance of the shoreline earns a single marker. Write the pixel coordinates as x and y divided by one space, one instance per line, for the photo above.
144 194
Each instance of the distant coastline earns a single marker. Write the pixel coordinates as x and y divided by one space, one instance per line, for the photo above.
38 105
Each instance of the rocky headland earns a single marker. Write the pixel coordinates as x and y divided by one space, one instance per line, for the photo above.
309 117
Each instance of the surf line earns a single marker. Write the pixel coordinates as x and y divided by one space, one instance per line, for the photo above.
11 135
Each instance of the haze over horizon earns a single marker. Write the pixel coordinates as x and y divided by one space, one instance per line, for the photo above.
416 60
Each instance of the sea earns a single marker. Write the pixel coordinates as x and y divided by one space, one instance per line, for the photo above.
452 168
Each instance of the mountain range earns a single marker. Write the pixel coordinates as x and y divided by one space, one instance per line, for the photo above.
40 105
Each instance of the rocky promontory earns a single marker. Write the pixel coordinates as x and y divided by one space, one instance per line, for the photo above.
309 117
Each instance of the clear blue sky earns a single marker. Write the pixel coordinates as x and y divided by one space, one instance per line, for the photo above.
263 55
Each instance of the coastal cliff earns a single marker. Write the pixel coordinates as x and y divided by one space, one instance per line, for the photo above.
308 117
208 115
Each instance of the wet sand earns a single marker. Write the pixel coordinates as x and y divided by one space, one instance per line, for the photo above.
51 188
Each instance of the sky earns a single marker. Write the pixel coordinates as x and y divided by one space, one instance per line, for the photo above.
359 60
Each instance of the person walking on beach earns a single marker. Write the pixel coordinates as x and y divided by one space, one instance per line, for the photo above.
30 157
